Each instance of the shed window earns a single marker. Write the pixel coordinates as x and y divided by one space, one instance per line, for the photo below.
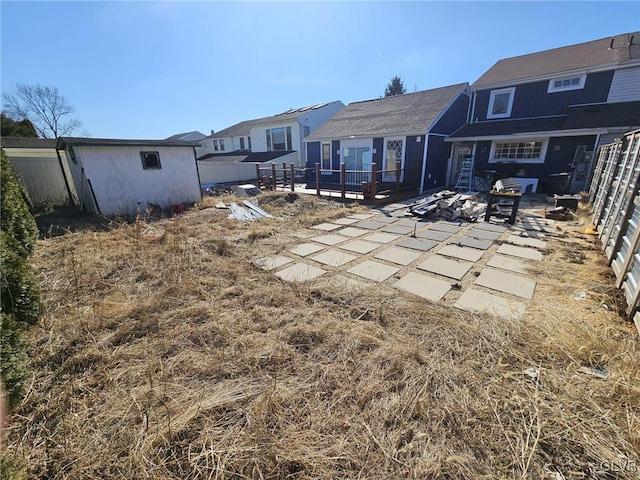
500 103
564 84
150 160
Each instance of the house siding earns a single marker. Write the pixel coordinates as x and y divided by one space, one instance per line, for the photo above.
437 158
335 155
378 152
532 99
413 156
313 154
454 117
625 86
120 183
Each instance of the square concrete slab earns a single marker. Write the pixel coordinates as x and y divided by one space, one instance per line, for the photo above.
476 301
483 234
522 252
473 243
334 258
304 234
305 249
275 261
446 267
373 271
380 237
462 253
399 229
384 219
433 235
426 287
361 216
300 272
445 227
535 223
352 232
359 246
410 222
507 263
421 244
491 227
345 221
401 256
369 225
527 242
326 227
506 282
330 239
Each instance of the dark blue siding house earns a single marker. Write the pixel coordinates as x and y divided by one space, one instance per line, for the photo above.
539 117
409 128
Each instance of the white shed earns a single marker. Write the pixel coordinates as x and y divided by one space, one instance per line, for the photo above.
121 177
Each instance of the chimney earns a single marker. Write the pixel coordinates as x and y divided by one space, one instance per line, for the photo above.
212 132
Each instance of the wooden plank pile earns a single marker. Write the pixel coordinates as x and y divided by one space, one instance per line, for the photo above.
450 205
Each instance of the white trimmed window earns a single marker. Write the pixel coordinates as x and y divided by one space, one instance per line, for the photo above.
567 83
150 160
523 151
500 103
215 145
393 152
325 163
241 143
222 144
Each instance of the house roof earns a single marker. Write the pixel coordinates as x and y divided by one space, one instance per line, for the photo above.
244 156
604 115
616 50
63 142
410 113
27 142
242 128
181 136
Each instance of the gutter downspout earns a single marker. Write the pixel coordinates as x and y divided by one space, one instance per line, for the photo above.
64 176
195 159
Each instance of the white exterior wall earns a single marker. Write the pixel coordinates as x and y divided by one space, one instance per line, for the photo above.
625 86
235 172
314 118
259 138
121 185
40 173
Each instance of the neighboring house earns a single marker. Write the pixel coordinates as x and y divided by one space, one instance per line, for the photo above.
43 172
193 136
284 132
542 115
121 177
234 167
409 128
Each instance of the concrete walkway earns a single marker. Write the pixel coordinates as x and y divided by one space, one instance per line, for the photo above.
486 262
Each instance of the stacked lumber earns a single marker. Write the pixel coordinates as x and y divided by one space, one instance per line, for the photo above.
450 205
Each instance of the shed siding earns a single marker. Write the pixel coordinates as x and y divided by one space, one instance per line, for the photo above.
120 183
625 86
532 99
454 117
40 173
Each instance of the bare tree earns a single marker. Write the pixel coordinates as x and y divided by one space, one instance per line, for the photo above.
45 107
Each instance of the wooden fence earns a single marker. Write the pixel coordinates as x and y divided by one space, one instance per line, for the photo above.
365 184
615 194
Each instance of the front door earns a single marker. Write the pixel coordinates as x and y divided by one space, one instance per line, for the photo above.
459 153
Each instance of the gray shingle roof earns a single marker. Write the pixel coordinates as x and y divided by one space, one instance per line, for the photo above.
192 133
614 50
241 156
27 142
242 128
411 113
63 142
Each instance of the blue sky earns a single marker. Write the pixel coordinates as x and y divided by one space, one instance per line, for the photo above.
152 69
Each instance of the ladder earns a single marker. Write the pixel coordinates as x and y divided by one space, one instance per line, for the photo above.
465 175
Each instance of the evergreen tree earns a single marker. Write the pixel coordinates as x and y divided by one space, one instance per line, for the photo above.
395 87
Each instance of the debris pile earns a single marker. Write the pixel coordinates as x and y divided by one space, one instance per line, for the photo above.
450 205
250 213
210 190
559 213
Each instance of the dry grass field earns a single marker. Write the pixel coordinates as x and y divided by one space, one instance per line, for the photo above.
164 353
